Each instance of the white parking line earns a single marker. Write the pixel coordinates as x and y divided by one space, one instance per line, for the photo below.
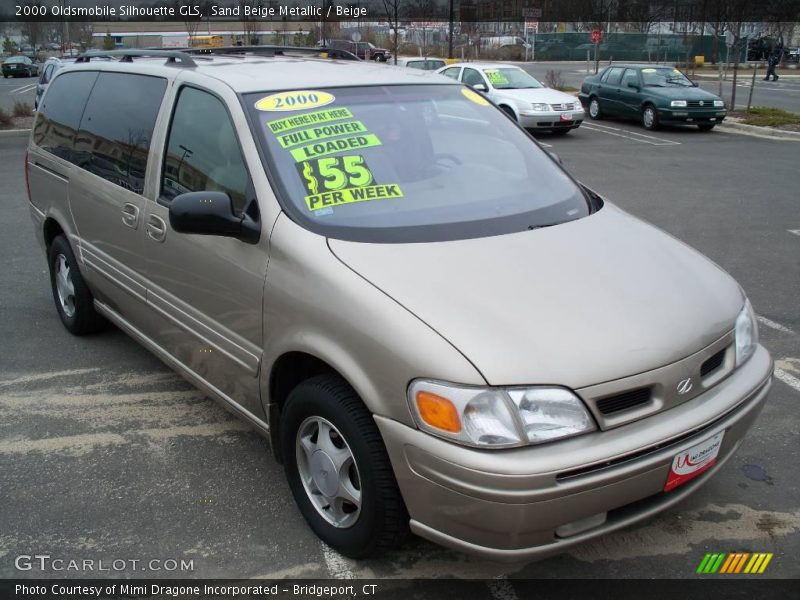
23 89
794 231
773 324
630 135
788 379
338 566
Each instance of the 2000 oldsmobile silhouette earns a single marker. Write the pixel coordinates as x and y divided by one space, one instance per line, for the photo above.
437 326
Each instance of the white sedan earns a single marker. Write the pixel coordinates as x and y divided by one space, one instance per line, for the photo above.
527 101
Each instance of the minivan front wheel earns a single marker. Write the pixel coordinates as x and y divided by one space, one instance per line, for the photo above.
74 301
338 469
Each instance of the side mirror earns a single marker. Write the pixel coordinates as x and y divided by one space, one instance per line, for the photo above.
634 85
481 87
211 213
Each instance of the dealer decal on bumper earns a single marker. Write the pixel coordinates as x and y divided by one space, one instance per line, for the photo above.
690 463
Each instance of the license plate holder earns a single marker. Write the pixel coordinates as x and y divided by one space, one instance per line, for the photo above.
693 461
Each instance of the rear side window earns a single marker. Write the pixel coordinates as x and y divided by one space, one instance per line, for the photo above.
452 72
201 158
47 75
117 126
60 112
614 75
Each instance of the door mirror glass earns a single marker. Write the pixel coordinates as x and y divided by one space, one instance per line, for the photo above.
210 213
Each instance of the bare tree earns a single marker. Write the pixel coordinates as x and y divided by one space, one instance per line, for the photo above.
394 10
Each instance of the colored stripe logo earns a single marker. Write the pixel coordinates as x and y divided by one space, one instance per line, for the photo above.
734 563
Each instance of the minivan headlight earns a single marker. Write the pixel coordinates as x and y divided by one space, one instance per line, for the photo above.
493 417
746 332
678 104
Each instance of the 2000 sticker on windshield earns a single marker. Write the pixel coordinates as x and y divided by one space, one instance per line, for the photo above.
295 100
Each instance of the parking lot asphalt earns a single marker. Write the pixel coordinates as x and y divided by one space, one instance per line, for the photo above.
17 89
105 453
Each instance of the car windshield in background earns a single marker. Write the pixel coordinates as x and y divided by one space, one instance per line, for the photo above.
407 163
510 78
15 60
665 77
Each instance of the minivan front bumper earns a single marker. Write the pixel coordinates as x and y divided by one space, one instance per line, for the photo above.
527 503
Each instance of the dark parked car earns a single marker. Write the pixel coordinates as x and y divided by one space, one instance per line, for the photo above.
20 66
363 50
651 94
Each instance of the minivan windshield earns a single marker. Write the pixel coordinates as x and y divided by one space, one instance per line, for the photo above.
407 163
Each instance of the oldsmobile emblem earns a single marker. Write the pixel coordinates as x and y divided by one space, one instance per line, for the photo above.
685 386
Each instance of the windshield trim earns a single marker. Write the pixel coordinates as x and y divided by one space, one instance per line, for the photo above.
438 232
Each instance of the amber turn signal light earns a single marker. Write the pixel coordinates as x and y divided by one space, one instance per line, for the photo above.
438 412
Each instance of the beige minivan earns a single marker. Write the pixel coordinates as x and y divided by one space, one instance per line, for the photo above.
438 328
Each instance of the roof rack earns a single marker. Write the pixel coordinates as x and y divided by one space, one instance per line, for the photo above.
275 51
173 56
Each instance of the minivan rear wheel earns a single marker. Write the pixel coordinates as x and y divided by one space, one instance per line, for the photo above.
338 469
74 301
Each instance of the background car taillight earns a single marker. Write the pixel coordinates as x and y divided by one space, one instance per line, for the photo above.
27 177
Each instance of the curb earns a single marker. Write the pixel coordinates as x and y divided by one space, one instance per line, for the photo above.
14 132
765 132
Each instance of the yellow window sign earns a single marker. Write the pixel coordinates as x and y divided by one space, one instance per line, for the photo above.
351 195
496 77
475 97
295 100
323 148
287 140
335 173
312 118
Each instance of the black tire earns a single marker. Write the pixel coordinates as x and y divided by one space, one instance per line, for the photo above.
84 318
594 109
649 117
382 522
509 111
706 126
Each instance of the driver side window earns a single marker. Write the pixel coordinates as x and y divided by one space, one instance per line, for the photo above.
203 152
471 77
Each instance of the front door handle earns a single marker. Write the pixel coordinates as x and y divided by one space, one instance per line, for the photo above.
130 215
156 228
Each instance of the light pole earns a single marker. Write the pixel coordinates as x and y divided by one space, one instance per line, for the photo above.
450 33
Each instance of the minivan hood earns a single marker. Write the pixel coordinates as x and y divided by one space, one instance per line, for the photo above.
592 300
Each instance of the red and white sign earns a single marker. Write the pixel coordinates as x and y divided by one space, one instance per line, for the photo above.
597 36
532 26
690 463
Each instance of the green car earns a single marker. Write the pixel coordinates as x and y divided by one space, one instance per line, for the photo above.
653 94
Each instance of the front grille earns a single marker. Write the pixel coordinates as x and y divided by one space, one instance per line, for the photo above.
700 104
562 107
624 401
712 364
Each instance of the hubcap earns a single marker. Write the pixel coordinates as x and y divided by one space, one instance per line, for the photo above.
64 286
328 471
649 117
594 108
